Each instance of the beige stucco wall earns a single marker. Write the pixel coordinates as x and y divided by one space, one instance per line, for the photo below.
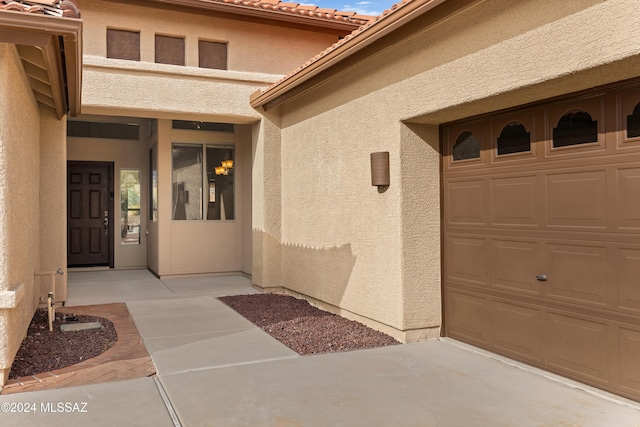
254 45
374 255
259 53
26 246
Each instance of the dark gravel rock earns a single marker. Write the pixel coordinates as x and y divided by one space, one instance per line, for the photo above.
43 350
303 328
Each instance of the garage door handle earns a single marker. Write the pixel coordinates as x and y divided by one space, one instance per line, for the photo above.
541 277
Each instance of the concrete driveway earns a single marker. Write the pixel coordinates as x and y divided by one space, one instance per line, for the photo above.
217 369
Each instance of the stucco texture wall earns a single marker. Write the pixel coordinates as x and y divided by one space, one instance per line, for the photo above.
377 254
19 203
259 53
53 206
254 45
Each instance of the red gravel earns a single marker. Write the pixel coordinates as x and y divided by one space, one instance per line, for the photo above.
303 328
294 322
43 350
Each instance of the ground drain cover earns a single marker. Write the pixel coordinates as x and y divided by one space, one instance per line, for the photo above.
80 326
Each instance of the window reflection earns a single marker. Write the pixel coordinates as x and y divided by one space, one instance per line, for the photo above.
214 190
466 147
514 138
220 174
575 127
153 181
633 123
187 182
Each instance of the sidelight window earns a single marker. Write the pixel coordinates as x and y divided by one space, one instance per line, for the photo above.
153 183
130 206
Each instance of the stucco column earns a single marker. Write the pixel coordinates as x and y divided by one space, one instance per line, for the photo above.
53 205
163 237
421 258
267 205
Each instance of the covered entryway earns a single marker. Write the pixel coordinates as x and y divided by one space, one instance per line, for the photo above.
89 214
542 236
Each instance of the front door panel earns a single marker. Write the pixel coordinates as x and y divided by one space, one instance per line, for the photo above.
89 214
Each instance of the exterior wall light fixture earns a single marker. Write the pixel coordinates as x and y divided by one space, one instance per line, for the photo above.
380 176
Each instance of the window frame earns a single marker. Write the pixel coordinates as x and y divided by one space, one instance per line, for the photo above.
205 180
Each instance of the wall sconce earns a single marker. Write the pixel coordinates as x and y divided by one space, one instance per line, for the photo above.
380 176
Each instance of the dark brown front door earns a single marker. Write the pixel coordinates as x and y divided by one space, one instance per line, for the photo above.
89 214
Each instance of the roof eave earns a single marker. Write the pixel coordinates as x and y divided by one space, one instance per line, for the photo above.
375 31
44 32
264 13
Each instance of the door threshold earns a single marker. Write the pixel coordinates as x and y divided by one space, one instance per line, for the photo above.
96 268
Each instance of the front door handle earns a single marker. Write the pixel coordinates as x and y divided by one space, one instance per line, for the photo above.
541 277
106 222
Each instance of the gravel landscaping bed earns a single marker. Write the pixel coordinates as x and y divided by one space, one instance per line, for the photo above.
303 328
43 350
292 321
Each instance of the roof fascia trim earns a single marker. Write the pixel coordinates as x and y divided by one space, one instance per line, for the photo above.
369 35
263 13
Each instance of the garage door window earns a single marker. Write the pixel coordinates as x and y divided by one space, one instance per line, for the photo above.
466 147
575 127
514 138
633 123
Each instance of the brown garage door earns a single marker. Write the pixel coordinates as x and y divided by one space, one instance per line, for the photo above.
542 236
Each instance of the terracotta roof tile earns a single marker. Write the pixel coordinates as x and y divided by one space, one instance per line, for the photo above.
281 7
66 8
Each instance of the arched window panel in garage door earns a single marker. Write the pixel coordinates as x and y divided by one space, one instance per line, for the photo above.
633 123
465 146
629 124
576 127
513 139
513 136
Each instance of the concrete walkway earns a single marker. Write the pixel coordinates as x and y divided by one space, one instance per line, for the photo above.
217 369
